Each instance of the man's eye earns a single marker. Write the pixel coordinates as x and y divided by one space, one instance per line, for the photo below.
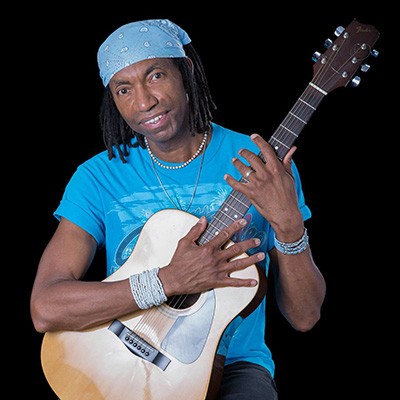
122 91
157 75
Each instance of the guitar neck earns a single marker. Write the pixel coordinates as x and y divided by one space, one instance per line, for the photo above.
297 118
237 204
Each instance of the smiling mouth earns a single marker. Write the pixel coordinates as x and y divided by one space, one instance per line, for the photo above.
154 120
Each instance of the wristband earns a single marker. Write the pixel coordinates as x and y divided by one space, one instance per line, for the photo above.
147 289
293 248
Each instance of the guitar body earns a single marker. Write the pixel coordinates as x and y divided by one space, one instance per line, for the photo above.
97 364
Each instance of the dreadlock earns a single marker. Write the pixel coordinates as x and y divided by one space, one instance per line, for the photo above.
116 132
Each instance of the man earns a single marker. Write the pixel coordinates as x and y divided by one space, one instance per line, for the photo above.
164 152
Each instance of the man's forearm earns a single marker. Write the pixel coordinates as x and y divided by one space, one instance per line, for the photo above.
300 288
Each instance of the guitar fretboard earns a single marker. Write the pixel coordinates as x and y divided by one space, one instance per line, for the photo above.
237 204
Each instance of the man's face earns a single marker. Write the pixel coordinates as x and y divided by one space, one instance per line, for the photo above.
152 99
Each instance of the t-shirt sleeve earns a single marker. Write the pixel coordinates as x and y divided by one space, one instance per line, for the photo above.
82 204
305 211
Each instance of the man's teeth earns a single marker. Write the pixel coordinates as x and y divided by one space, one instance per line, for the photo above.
154 120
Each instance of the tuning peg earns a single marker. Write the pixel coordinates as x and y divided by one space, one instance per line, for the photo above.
328 43
355 81
339 30
316 56
375 53
365 67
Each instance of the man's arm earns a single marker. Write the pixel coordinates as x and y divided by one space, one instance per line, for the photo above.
271 189
60 300
300 288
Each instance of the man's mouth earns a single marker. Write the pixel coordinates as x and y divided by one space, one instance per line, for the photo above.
154 120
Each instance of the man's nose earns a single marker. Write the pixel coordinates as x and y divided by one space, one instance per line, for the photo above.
145 99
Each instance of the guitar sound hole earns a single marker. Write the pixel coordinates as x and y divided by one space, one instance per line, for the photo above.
180 302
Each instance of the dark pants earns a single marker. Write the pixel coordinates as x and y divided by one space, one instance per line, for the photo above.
247 381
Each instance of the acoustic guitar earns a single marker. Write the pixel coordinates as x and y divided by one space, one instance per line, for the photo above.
168 352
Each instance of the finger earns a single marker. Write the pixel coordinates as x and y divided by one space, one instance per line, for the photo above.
233 183
241 167
266 149
253 159
236 282
235 249
223 236
240 264
197 229
287 160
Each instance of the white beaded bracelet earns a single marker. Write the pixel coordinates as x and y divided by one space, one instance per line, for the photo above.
147 289
293 248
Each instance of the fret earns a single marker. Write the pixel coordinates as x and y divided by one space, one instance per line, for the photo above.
241 202
234 207
309 105
284 127
234 218
214 230
296 116
291 127
220 222
276 140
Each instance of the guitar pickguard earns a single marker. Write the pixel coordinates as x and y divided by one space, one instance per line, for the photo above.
187 337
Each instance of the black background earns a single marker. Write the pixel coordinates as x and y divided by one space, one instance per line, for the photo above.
258 61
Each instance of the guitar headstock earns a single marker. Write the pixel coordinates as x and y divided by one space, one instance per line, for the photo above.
337 66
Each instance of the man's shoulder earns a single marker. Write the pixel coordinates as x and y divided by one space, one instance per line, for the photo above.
233 137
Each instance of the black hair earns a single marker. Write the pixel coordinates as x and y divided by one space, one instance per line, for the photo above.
116 132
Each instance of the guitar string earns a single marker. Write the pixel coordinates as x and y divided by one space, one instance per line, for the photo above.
300 109
309 95
291 123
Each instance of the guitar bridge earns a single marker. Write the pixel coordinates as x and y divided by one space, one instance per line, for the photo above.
138 346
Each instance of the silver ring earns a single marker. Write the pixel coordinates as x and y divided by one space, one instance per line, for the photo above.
248 173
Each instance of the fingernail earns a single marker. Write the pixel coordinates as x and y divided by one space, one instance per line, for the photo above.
254 136
261 256
257 242
242 222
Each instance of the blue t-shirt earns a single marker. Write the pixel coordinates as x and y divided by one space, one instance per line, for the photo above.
112 201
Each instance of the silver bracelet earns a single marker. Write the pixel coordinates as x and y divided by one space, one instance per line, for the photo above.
293 248
147 289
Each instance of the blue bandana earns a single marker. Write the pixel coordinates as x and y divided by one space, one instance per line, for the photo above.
140 41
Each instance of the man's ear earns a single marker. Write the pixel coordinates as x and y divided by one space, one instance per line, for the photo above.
191 64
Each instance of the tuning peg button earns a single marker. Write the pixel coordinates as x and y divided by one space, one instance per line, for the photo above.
328 43
365 67
375 53
339 30
316 56
355 81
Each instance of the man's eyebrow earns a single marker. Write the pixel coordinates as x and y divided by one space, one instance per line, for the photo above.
119 82
148 71
152 67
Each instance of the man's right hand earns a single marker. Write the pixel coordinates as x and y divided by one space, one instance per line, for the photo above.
195 268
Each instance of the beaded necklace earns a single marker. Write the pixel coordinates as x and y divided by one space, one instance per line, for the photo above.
154 160
177 166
